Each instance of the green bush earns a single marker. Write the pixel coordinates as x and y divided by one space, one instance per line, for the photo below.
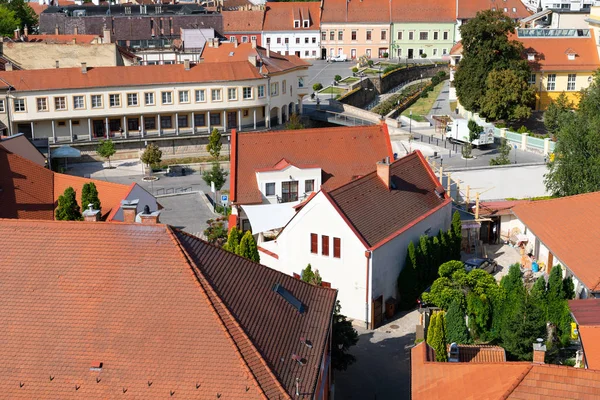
385 55
523 129
337 78
317 87
392 102
355 70
370 63
441 74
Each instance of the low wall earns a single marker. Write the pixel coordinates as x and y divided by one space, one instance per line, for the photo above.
365 94
399 76
363 114
407 121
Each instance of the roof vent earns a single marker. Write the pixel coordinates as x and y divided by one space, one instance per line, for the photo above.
440 191
290 298
298 359
96 366
306 342
453 355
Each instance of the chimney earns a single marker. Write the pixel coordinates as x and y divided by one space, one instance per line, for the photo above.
57 64
186 65
149 218
216 42
235 42
17 33
252 60
210 43
253 41
8 66
56 30
83 68
106 35
129 210
268 47
383 171
25 31
91 215
75 30
539 352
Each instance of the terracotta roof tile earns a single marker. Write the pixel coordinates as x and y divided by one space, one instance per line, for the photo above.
551 53
557 382
427 11
502 207
590 340
79 39
481 353
366 201
586 312
562 234
242 21
368 11
468 8
280 16
341 153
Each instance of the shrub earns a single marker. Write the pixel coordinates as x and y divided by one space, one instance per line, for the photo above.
317 87
355 70
457 331
337 78
523 129
370 63
68 209
441 74
385 55
89 195
424 55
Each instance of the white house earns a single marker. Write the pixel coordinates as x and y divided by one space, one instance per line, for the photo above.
293 28
357 234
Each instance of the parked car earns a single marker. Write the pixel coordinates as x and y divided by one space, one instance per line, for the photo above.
422 303
339 57
486 264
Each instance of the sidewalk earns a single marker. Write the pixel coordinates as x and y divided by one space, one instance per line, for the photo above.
442 103
100 170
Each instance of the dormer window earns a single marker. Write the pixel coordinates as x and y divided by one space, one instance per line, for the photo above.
296 23
570 54
530 56
306 23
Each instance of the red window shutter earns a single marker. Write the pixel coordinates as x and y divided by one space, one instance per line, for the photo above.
296 276
313 243
326 284
325 245
337 242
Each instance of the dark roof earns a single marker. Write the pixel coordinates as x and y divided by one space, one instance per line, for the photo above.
377 213
586 312
275 327
119 10
4 60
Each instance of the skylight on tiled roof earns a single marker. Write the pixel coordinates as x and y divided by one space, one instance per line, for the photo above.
290 298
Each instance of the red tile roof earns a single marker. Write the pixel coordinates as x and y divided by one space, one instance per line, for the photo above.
79 39
428 11
586 312
563 234
367 11
495 208
551 53
590 340
506 380
178 325
468 8
342 154
360 201
480 353
281 16
73 78
242 21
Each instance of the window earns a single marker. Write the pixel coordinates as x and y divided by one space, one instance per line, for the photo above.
244 39
571 82
421 51
399 53
231 94
306 23
411 35
399 34
165 122
301 80
337 243
182 121
309 185
78 102
287 40
199 120
75 122
96 101
247 93
132 99
114 100
446 35
114 125
296 24
423 35
331 35
306 53
60 103
551 85
324 35
149 123
184 96
436 35
283 86
531 79
444 51
325 245
314 40
340 35
167 97
232 39
270 189
306 41
200 96
369 35
268 40
314 245
383 35
274 89
2 105
298 40
149 98
215 118
435 52
42 104
133 124
215 94
289 191
261 91
314 53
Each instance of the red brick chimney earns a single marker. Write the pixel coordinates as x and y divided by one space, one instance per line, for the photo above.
383 171
91 215
539 353
149 218
129 210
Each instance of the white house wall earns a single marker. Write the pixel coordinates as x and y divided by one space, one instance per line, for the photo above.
290 173
292 47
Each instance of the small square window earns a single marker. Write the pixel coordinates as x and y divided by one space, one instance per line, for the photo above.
149 98
60 103
42 104
2 106
132 99
166 122
261 91
78 102
199 120
270 189
149 123
184 96
247 93
215 94
200 95
96 101
167 97
114 100
309 185
232 94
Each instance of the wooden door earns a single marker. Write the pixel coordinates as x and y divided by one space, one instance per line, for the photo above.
376 312
231 120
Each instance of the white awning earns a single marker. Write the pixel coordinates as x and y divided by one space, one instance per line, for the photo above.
266 217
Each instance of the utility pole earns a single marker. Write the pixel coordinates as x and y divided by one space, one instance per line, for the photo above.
468 197
449 185
477 206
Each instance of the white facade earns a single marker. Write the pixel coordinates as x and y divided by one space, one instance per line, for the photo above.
348 273
566 5
271 183
304 44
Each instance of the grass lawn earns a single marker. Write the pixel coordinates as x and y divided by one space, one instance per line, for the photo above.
349 79
372 71
332 89
453 105
422 106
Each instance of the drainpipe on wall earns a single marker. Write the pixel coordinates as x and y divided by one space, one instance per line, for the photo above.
368 257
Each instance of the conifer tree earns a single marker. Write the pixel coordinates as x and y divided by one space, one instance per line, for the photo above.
247 247
233 240
89 195
457 328
68 209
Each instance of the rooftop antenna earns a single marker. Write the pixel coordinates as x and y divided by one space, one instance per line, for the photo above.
297 387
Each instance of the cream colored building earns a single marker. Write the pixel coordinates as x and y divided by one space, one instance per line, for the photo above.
235 87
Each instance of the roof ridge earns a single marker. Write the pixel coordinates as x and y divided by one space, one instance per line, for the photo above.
517 382
206 286
114 210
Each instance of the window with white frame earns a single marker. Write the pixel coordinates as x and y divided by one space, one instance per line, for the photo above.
252 37
149 98
332 35
369 35
247 93
114 100
297 40
60 103
399 35
274 88
184 96
2 109
340 35
167 97
232 94
42 104
436 35
571 82
306 40
270 189
96 101
446 33
306 23
232 39
261 91
215 94
78 102
324 35
200 95
132 99
268 40
531 80
423 35
19 105
435 51
244 39
551 84
384 34
296 24
411 35
283 87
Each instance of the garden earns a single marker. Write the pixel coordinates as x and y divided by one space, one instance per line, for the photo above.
423 105
395 100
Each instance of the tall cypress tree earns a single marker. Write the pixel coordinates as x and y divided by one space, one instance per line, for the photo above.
89 195
233 240
457 328
408 286
68 209
247 247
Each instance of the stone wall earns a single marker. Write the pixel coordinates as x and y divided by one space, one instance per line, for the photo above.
400 76
365 94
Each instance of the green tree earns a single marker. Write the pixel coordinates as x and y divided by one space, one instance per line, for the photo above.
455 236
216 175
487 47
23 13
408 286
507 96
216 231
68 209
437 257
233 240
569 288
337 78
344 336
436 335
474 132
8 21
151 156
310 276
423 259
558 307
106 149
557 112
448 268
247 247
214 144
503 153
526 326
294 123
457 328
89 195
317 87
479 310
